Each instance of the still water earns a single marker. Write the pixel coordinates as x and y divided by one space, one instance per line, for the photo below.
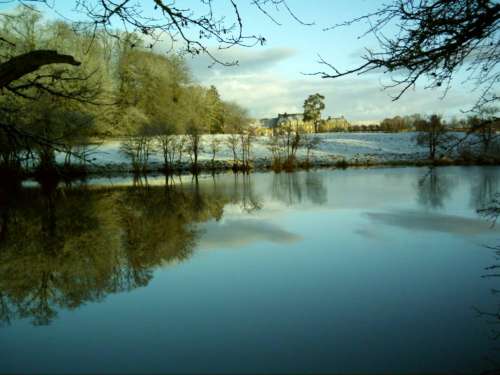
354 271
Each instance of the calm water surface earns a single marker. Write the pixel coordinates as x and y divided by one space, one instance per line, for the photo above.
355 271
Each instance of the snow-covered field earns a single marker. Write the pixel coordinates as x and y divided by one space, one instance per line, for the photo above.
352 147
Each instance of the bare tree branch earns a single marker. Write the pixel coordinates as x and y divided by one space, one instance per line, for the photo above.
434 39
21 65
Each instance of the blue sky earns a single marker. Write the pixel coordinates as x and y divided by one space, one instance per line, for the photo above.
269 79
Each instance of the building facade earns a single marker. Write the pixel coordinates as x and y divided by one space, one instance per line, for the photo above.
270 126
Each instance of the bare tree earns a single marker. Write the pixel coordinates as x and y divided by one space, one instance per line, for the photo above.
189 28
484 125
432 133
194 146
232 141
284 143
433 40
214 145
247 136
310 143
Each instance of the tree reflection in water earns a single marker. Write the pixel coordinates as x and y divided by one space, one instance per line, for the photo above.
485 191
490 210
294 188
433 189
485 198
63 247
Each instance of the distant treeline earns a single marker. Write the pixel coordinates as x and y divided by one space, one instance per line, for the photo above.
416 122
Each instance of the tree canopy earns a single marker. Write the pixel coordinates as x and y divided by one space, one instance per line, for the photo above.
313 106
110 87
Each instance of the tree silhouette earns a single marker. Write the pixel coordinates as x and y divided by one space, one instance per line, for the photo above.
434 39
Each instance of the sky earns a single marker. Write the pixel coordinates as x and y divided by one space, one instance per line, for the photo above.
270 79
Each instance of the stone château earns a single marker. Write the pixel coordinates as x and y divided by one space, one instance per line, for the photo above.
268 126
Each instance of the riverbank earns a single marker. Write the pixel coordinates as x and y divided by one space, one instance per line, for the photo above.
266 165
335 150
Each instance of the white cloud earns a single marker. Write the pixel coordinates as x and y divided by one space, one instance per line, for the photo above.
247 59
267 94
260 84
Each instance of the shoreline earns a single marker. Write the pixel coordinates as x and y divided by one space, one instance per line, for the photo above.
82 172
336 150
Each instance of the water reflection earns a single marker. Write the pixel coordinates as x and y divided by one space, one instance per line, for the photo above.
488 201
242 192
433 188
424 221
485 188
234 234
294 188
62 248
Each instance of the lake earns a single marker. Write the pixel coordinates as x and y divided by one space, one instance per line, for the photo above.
348 271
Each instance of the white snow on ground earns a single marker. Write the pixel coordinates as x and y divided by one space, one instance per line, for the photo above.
381 146
377 147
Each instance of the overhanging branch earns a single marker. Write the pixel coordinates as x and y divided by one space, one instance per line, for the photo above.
20 65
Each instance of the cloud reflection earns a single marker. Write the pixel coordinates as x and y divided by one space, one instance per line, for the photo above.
243 232
435 222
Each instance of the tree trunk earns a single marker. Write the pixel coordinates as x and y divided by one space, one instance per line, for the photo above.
26 63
